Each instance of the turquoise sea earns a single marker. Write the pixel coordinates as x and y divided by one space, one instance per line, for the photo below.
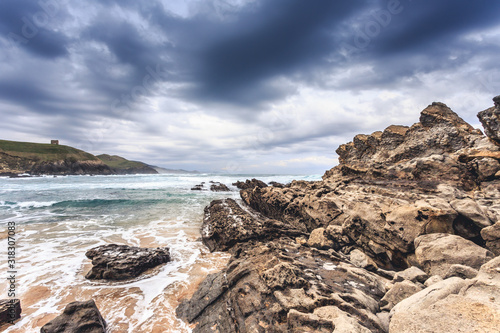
59 218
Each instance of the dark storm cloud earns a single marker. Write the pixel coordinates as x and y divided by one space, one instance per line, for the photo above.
25 24
91 67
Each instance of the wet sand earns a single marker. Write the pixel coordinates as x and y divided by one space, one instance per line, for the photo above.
143 305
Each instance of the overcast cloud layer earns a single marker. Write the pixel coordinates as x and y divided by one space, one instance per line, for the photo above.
234 85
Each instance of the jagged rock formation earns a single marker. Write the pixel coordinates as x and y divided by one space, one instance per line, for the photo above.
408 214
120 262
77 317
250 184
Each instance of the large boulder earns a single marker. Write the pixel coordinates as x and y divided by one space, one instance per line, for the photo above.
121 262
453 305
77 317
436 253
492 237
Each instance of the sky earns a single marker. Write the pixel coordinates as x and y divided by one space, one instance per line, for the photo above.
238 86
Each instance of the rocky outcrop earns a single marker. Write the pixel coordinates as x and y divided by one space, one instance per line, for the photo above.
120 262
250 184
436 253
77 317
490 118
214 187
412 212
70 167
219 187
283 286
10 310
453 305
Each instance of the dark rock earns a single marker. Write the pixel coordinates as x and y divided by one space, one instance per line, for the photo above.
250 184
120 262
68 167
276 184
266 283
226 224
78 317
199 187
219 187
10 310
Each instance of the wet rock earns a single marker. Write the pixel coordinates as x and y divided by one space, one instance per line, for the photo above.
436 253
199 187
10 310
120 262
276 184
77 317
219 187
250 184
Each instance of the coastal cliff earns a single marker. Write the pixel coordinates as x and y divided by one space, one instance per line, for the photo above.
402 236
53 159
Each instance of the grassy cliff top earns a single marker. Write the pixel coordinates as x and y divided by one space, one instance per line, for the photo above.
44 152
118 162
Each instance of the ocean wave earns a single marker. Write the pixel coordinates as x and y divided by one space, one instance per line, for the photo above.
104 202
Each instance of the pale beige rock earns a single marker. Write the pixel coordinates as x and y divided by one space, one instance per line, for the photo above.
413 274
470 209
437 252
461 271
359 259
397 293
319 240
432 280
453 305
492 237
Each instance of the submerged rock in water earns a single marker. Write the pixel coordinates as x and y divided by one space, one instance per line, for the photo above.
10 310
81 317
120 262
219 187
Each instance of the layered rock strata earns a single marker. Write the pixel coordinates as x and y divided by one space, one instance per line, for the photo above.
121 262
408 214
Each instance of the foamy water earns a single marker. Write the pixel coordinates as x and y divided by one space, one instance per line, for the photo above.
59 219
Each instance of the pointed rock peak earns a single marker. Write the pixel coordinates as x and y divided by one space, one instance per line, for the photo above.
440 113
490 118
496 100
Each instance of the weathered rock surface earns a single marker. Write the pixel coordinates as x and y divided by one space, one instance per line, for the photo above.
492 237
79 317
490 118
453 305
121 262
403 204
436 253
282 285
10 310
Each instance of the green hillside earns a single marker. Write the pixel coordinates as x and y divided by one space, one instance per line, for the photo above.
40 152
122 165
